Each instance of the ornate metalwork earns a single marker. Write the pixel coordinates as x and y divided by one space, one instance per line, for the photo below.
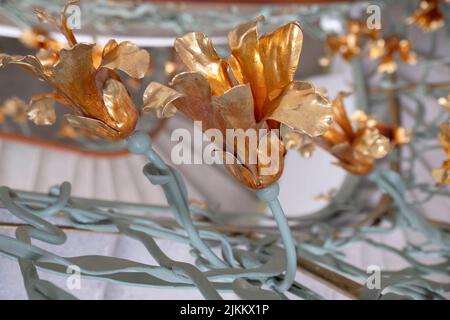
253 262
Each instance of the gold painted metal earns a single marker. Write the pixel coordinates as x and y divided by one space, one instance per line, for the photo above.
357 149
84 79
350 44
386 50
428 17
254 88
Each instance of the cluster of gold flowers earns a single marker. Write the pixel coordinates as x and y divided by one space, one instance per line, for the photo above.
386 49
84 79
350 44
38 38
254 88
355 145
428 17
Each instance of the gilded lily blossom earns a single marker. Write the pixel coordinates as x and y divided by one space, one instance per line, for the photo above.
348 45
358 145
15 108
428 17
253 89
386 49
84 78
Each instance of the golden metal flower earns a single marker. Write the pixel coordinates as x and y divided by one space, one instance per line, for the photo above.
84 78
428 17
348 45
386 49
357 149
15 108
259 93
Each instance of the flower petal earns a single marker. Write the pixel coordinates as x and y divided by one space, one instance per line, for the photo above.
245 62
61 26
29 63
371 143
46 17
196 100
350 161
340 116
75 78
199 55
160 99
301 107
92 126
126 57
271 152
42 110
47 57
236 107
266 171
120 108
65 28
238 170
280 53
